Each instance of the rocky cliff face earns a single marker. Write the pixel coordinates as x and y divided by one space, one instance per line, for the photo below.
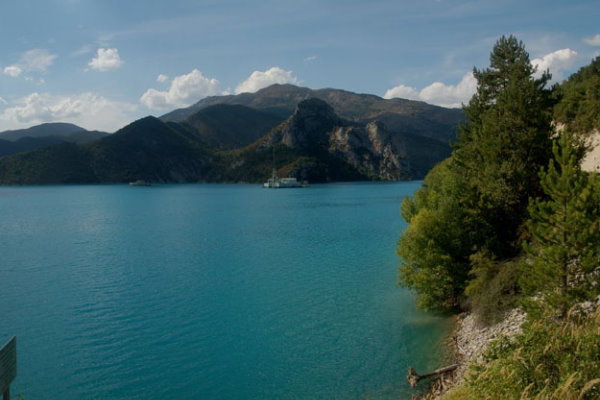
309 127
370 148
315 130
591 161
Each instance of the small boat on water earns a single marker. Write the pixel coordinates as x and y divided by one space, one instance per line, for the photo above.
274 182
140 182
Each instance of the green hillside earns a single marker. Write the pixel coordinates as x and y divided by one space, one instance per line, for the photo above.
145 149
226 127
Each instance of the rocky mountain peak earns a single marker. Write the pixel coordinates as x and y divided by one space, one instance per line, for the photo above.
314 108
308 127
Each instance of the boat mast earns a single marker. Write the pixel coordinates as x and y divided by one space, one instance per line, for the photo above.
274 172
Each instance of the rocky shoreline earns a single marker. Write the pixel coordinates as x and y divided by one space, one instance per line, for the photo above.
468 342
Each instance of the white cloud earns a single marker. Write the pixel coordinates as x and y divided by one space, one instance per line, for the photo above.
13 70
453 96
88 110
593 41
36 60
162 78
310 58
556 62
261 79
403 92
183 91
2 101
438 93
106 60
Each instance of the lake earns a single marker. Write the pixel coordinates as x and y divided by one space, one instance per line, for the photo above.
210 292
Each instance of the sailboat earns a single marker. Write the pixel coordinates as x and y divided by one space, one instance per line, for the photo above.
275 182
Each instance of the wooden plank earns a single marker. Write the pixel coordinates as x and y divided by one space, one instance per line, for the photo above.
8 364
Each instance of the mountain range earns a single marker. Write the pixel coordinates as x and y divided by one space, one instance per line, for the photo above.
399 115
22 140
318 135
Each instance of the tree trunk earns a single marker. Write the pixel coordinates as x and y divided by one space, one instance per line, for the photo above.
413 378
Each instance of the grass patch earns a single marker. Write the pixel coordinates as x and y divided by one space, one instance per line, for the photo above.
550 360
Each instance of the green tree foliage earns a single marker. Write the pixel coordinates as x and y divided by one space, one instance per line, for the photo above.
563 256
506 142
579 107
436 245
535 232
476 202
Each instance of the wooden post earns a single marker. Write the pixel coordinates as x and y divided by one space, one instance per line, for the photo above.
8 366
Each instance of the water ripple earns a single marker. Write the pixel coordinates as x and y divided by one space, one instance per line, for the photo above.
209 292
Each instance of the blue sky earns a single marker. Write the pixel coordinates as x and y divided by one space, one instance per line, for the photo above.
103 63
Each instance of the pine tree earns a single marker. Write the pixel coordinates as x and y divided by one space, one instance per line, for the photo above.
562 266
506 141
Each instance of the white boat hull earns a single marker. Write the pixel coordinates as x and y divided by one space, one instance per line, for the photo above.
280 183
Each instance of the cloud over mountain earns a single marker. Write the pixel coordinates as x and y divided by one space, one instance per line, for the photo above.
183 90
438 93
88 110
453 96
261 79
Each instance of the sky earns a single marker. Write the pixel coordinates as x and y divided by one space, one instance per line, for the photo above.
103 63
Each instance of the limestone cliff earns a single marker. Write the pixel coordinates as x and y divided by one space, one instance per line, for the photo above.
366 150
591 161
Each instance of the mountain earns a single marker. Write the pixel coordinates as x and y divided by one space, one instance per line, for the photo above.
26 144
227 127
317 135
49 129
315 144
146 149
399 115
152 150
64 131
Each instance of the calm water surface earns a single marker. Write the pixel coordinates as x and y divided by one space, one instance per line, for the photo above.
209 292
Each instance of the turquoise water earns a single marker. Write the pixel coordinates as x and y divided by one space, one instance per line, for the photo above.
209 292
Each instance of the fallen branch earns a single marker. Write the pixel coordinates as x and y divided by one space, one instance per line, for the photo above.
413 378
